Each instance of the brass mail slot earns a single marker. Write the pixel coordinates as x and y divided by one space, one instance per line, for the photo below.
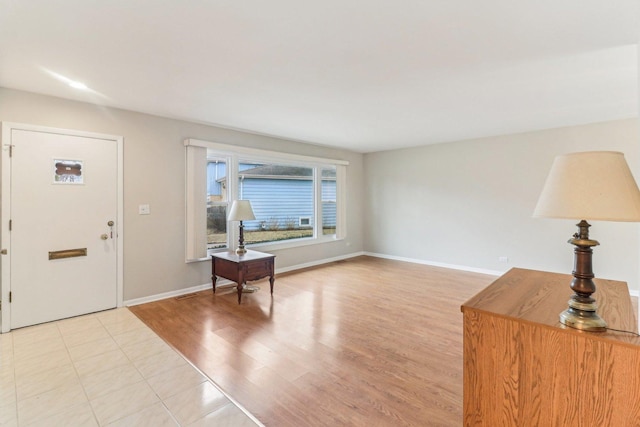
68 253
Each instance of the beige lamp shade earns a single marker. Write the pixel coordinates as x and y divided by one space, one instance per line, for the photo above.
595 185
241 211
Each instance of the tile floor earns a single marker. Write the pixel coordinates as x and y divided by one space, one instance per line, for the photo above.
105 369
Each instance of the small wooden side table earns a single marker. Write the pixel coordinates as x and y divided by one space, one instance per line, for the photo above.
253 265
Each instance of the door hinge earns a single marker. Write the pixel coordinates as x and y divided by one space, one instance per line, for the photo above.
10 296
10 224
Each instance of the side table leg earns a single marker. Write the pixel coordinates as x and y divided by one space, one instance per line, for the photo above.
213 273
240 285
272 279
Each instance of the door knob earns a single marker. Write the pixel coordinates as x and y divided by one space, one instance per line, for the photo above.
104 236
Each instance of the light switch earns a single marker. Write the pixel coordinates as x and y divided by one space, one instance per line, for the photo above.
144 209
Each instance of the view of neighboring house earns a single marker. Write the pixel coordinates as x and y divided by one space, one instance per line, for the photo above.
281 196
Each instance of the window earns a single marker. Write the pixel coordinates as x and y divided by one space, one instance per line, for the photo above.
296 199
328 190
217 203
279 193
304 221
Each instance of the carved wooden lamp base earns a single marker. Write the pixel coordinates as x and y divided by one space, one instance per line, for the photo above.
581 313
241 250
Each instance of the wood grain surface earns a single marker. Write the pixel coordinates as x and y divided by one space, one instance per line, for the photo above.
361 342
522 368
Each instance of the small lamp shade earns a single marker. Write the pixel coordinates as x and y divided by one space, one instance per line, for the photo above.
596 185
241 211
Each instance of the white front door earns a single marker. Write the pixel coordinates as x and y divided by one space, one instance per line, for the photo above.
64 219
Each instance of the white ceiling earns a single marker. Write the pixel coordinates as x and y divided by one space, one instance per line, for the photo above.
366 75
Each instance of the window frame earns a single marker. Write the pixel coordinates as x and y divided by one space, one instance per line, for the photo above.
236 155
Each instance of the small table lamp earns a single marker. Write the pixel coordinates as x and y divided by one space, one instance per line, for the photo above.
241 211
585 186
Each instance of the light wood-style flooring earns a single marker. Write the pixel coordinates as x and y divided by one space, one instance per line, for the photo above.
361 342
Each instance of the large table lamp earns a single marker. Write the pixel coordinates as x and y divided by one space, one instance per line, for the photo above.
598 186
241 211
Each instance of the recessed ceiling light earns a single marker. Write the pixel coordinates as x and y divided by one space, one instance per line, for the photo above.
73 83
78 85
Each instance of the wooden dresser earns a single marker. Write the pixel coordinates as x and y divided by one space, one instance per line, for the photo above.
523 368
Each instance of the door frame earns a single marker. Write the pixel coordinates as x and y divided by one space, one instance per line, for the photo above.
5 210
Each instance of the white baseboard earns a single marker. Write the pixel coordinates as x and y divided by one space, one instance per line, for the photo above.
165 295
318 262
225 282
632 292
437 264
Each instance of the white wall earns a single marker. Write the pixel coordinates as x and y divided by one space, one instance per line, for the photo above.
463 203
468 203
154 174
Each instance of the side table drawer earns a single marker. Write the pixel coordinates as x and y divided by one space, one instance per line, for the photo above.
258 269
226 269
